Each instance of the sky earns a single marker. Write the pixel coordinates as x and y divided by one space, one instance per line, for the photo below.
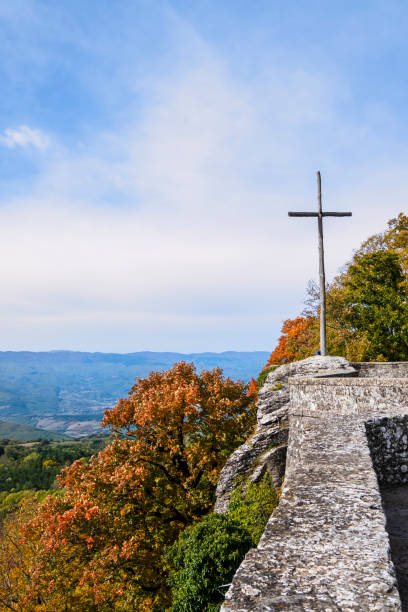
150 152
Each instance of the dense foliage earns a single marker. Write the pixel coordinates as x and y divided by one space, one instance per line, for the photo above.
367 306
298 335
99 546
36 465
375 304
17 556
252 504
204 560
11 501
207 554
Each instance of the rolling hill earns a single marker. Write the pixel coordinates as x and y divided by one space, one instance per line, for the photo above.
23 433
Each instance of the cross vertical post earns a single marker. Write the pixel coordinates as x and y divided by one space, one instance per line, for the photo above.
322 276
320 214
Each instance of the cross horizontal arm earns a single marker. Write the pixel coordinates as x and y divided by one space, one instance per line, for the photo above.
324 214
336 214
302 214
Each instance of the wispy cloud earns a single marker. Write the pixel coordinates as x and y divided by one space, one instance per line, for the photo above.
24 137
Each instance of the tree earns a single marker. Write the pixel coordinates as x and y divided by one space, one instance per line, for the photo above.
103 540
298 335
17 556
253 388
375 304
394 239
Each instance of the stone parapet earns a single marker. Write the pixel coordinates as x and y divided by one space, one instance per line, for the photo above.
326 546
388 442
382 369
351 396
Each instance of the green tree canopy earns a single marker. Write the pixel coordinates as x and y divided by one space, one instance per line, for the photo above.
374 301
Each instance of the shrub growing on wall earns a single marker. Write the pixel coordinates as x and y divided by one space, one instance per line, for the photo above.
203 559
209 552
252 504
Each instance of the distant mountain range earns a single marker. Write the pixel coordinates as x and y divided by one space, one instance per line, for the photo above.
67 392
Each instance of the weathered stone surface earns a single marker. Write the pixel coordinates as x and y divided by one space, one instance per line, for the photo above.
326 547
266 449
386 369
275 392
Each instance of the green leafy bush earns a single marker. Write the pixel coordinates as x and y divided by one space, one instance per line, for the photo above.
204 558
208 553
252 504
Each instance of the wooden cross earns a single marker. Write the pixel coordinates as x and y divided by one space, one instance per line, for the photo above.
320 214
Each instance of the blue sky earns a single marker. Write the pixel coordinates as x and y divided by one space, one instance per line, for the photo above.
150 151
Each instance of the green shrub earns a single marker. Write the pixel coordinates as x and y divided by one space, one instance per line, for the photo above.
252 504
262 376
204 558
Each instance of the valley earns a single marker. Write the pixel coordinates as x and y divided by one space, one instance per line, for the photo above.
65 392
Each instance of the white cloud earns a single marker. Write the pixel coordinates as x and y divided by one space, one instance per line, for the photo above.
24 137
172 232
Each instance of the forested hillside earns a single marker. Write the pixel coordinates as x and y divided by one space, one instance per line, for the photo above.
35 465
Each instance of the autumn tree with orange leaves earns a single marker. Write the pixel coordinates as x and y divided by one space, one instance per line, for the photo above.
295 341
102 542
17 557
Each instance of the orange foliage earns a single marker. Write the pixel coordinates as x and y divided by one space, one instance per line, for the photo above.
17 558
103 540
296 341
253 388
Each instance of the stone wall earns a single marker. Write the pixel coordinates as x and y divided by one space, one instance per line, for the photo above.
326 547
388 369
388 443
